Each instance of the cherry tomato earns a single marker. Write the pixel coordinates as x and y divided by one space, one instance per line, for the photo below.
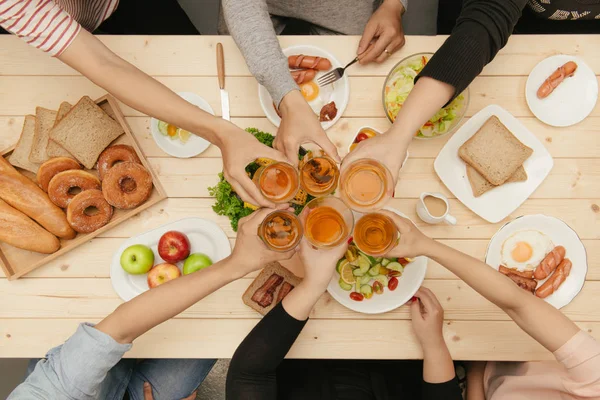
383 270
356 296
360 137
171 130
393 283
350 239
403 261
368 295
377 287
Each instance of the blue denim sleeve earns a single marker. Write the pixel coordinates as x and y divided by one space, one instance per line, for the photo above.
74 370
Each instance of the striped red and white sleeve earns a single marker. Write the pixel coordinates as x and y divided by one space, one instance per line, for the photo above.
41 23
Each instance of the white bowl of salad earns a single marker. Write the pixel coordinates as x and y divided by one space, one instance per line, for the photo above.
400 82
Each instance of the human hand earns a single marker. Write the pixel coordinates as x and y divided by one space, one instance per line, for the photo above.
240 148
385 30
413 242
148 393
299 125
319 264
250 252
378 148
427 319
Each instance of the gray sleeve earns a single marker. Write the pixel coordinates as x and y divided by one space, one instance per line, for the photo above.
250 26
405 4
76 369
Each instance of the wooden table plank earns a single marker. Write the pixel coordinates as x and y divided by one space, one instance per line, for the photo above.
193 55
365 99
218 338
94 298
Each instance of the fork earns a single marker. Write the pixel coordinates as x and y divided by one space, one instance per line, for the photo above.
334 75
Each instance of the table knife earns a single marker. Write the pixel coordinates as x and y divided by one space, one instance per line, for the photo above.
221 74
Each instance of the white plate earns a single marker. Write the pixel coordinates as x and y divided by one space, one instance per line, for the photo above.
560 234
340 93
174 147
408 284
498 203
572 101
204 236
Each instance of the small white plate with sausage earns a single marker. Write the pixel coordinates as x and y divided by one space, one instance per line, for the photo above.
561 90
557 234
307 64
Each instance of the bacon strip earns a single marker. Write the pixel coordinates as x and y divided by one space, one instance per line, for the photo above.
523 274
264 295
284 291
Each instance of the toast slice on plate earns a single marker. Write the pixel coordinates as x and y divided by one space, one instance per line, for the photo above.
270 287
494 152
20 155
54 149
44 121
86 131
480 185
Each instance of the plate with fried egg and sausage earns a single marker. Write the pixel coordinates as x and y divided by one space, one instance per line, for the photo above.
307 64
541 254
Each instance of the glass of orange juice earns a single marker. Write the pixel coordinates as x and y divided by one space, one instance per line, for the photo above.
375 234
327 222
281 230
319 174
278 182
366 185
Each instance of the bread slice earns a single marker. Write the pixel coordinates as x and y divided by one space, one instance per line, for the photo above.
20 155
54 149
480 185
86 131
494 152
44 121
265 274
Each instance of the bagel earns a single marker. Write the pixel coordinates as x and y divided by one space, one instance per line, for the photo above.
127 185
52 167
89 211
113 155
64 186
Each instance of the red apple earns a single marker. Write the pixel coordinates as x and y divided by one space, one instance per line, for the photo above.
173 247
162 273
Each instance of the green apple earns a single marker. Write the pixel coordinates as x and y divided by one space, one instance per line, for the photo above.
137 259
196 262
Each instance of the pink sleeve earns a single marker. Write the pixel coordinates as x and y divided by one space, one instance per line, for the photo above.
41 23
581 357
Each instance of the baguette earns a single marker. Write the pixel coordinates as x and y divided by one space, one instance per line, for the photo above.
20 231
27 197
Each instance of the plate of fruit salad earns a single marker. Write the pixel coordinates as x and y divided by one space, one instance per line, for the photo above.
155 257
374 285
178 142
400 82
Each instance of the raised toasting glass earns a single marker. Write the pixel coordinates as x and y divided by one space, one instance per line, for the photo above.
281 230
278 182
375 234
366 185
327 222
319 174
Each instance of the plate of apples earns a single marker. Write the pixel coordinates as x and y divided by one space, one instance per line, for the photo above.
158 256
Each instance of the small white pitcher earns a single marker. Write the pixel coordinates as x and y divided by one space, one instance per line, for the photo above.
426 216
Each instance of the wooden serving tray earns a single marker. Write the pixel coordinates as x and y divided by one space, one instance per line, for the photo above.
18 262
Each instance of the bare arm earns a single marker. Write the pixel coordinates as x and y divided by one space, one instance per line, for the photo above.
475 372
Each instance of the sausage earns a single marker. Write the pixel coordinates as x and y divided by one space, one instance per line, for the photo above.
562 72
302 62
549 263
524 283
557 279
303 75
27 197
523 274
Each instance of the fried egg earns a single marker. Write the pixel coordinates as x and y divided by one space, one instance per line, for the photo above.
316 96
524 250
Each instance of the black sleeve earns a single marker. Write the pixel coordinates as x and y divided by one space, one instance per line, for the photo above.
481 30
252 371
436 391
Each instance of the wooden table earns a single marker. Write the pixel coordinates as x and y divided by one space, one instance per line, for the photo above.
43 309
